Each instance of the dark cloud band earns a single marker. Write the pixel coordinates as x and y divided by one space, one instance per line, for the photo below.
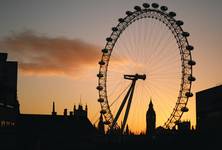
42 55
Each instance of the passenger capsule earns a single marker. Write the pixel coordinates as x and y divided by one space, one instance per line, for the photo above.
163 8
191 63
121 20
101 100
109 39
191 78
101 62
103 111
105 50
184 109
189 94
155 5
137 8
172 14
189 47
146 5
99 75
114 29
129 13
99 87
185 34
179 22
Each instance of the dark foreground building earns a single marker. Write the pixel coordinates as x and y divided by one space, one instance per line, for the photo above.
209 117
209 110
9 106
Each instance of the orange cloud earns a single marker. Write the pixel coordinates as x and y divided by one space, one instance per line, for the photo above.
42 55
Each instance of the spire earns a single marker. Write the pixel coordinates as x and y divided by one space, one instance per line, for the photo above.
101 128
151 103
53 108
86 107
127 130
80 103
74 110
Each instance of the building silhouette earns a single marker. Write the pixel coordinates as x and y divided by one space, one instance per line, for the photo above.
209 110
150 120
9 106
54 130
80 113
48 131
77 123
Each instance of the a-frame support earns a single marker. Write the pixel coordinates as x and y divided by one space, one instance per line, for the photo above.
128 97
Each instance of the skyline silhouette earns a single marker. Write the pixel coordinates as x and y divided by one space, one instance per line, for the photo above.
64 85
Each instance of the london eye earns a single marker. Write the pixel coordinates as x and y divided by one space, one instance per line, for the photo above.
146 57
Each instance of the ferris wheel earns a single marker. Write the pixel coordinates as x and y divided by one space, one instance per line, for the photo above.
147 56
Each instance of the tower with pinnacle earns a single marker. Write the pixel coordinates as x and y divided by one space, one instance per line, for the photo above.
150 120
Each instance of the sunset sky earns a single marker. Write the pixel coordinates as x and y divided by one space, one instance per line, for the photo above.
58 46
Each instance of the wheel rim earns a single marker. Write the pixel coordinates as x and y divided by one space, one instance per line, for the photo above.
180 37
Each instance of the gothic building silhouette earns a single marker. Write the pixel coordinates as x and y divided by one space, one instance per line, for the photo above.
150 120
27 130
76 122
55 130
